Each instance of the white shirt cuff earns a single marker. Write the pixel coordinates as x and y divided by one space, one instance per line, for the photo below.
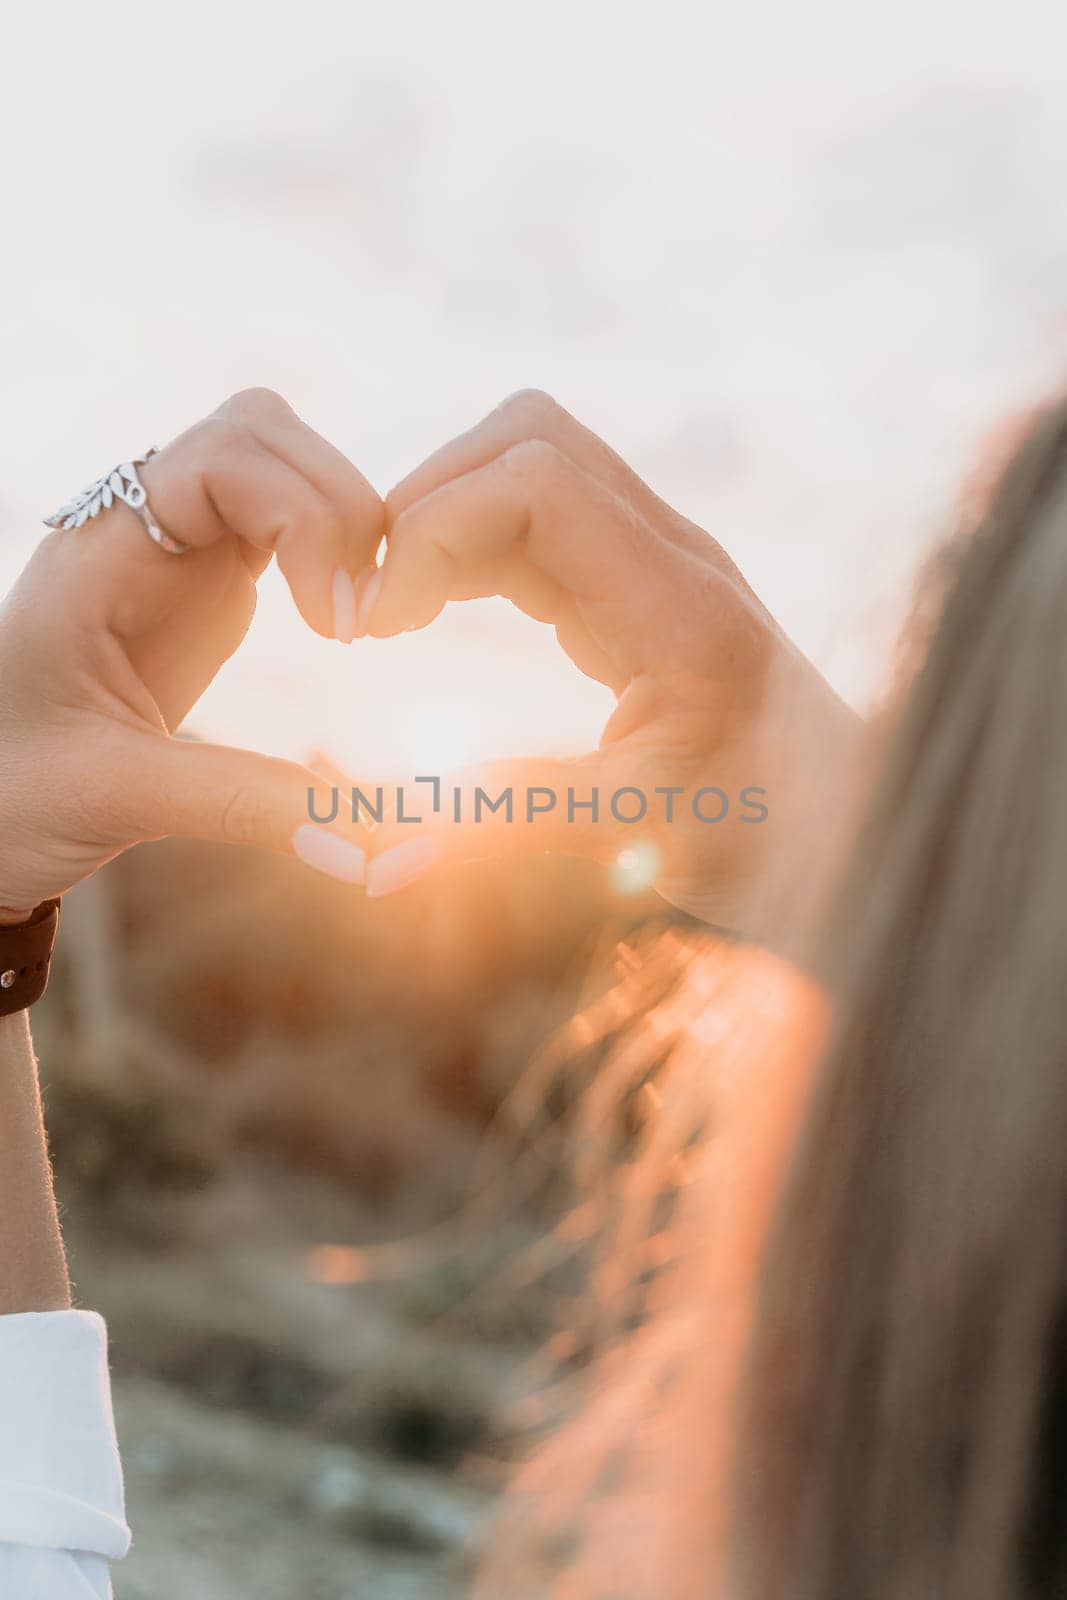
60 1477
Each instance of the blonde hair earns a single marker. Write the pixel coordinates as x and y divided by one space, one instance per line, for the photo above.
853 1382
904 1430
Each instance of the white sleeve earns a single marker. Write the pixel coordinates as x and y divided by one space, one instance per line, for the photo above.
62 1514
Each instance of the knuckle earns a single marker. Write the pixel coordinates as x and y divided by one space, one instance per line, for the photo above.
256 403
532 408
246 817
536 459
307 514
329 523
221 435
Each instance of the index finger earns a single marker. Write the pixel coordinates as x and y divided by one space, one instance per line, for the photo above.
568 528
254 473
532 415
338 480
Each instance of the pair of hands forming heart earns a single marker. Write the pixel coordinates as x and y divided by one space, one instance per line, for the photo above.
106 643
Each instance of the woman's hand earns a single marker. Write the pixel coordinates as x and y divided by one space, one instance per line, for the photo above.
106 642
711 694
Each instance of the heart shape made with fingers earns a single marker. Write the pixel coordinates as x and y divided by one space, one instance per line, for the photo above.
528 505
531 506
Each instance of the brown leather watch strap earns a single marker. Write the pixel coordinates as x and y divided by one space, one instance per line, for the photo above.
25 958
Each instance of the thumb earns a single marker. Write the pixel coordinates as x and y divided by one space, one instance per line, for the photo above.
499 809
207 791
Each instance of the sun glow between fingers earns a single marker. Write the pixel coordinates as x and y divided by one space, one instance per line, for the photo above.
439 736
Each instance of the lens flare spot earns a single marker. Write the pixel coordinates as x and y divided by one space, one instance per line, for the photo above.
336 1263
636 868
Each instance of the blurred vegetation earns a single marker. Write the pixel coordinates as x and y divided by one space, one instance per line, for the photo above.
207 1000
284 1128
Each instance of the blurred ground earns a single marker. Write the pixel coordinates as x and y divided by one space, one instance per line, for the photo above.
275 1121
282 1437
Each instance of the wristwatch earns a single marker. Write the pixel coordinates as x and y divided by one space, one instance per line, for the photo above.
26 957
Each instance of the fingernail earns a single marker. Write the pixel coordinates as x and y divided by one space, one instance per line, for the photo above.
366 602
329 853
402 864
344 607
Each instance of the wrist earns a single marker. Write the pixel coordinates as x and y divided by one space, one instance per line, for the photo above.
26 955
33 1270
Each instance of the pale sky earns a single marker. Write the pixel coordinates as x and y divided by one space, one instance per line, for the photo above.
793 261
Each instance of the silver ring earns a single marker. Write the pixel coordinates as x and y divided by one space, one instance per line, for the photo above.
122 483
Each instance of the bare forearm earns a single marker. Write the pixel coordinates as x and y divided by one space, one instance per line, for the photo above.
33 1266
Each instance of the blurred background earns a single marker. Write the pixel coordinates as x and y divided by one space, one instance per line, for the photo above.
795 264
